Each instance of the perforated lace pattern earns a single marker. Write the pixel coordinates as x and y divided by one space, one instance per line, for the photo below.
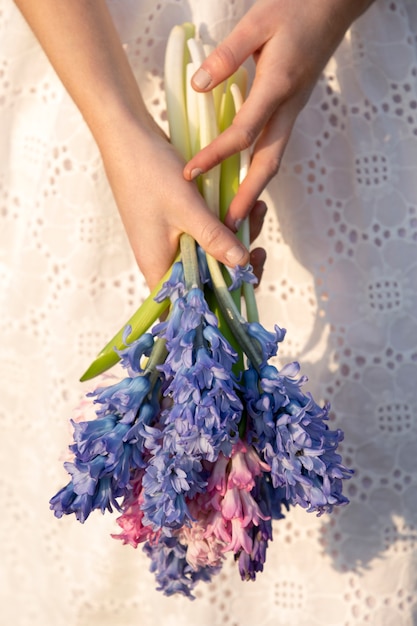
341 276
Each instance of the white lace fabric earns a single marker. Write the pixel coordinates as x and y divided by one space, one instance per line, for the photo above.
341 276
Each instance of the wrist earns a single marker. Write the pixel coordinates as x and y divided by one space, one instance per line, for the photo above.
120 118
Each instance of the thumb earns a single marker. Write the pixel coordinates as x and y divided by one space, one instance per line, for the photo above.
216 239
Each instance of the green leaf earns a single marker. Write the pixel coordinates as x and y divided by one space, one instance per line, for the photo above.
140 322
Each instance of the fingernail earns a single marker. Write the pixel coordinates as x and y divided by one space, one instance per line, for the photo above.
201 79
235 255
195 172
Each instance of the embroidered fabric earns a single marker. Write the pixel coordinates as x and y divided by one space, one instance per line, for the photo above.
341 276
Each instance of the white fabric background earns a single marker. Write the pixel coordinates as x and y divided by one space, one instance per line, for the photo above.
341 276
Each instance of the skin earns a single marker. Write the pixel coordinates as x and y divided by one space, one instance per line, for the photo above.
153 188
291 42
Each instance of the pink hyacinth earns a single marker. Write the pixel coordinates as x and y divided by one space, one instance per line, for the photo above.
219 527
134 532
217 481
226 513
239 504
240 538
245 466
202 549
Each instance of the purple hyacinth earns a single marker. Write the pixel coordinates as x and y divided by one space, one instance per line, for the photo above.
253 563
174 286
204 413
198 375
172 572
266 340
168 481
270 502
289 429
240 275
107 449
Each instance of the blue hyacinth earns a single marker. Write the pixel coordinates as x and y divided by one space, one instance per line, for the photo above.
172 572
289 429
204 413
107 450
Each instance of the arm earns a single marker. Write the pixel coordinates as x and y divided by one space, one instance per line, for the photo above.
83 46
291 42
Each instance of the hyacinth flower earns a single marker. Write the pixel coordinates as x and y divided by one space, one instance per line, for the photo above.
203 443
227 514
286 426
172 571
107 450
203 417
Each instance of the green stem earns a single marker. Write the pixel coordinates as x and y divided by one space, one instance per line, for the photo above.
237 91
158 356
176 58
250 303
252 314
233 317
225 330
191 276
190 261
229 173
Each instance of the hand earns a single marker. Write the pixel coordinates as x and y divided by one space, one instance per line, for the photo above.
291 42
145 172
157 205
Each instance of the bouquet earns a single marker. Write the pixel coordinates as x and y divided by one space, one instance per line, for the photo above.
204 442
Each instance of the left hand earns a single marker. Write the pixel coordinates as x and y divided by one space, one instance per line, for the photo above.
291 42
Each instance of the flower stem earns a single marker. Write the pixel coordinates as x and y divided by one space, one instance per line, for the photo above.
176 58
191 275
157 356
208 130
237 93
233 317
190 261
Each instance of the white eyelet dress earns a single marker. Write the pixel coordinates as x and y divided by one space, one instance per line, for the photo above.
341 277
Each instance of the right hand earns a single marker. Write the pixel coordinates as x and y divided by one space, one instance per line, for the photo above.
291 42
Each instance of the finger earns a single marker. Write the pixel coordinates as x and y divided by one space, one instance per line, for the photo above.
228 56
219 242
254 115
257 260
213 236
265 164
256 219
